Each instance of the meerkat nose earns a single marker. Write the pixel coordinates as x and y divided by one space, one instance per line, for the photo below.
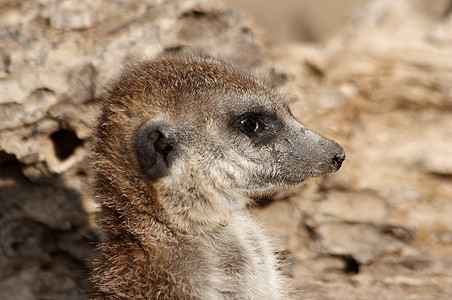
338 159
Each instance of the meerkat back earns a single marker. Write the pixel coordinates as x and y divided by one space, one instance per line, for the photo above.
182 144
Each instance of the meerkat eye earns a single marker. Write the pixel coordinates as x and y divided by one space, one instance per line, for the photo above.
250 124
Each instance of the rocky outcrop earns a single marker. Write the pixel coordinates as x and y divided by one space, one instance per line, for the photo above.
55 59
381 86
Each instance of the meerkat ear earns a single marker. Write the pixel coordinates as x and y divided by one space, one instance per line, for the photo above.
152 148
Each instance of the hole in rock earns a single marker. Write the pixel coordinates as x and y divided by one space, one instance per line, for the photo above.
351 265
195 14
10 167
65 142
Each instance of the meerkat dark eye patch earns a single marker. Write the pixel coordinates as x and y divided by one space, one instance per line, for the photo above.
153 148
259 127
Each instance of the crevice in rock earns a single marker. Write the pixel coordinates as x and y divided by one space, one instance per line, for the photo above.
313 234
351 265
6 61
65 142
195 13
10 167
6 157
398 232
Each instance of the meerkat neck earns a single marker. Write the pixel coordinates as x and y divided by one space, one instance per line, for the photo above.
198 211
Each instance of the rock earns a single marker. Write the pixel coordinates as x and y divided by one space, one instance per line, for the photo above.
364 242
354 207
55 59
379 84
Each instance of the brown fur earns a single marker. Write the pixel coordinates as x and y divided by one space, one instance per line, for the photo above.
186 234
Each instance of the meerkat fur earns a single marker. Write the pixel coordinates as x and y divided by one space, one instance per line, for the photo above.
182 143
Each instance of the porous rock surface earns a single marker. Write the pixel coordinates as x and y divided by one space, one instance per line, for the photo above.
380 228
55 59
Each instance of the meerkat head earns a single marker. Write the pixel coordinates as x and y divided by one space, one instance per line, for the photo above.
205 136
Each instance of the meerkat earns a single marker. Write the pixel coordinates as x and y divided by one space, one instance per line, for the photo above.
182 144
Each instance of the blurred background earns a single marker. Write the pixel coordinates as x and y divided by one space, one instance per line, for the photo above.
289 21
373 75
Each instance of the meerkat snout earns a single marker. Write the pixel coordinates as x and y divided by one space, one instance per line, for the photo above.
338 159
182 144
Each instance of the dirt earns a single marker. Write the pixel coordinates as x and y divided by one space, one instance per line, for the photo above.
376 76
